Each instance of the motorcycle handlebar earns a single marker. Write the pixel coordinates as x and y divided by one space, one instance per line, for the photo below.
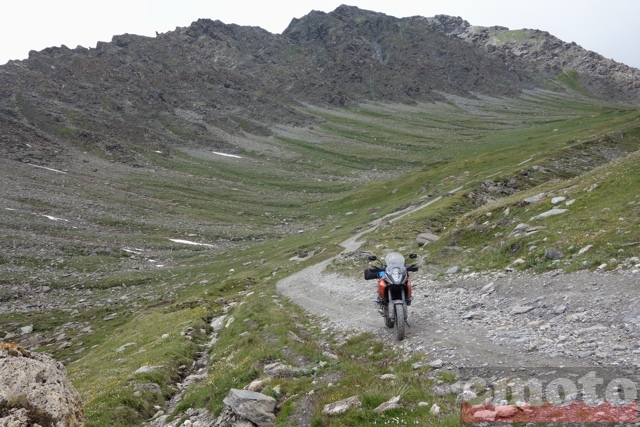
373 272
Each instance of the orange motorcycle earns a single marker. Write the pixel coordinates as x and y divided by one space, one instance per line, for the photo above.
394 289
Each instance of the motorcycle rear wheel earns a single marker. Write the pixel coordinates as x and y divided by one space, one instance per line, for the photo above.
399 324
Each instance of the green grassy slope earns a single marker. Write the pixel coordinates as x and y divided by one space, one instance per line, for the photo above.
304 191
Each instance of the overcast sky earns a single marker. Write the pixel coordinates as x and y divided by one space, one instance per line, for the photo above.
608 27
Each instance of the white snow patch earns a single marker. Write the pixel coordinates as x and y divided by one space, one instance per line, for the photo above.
455 189
226 155
53 218
158 151
49 169
10 209
188 242
132 251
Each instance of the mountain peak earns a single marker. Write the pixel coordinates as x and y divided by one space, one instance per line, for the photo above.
213 75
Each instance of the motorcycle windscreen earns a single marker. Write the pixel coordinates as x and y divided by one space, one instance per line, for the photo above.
394 259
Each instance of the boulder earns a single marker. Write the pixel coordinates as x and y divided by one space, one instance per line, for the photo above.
148 388
392 403
453 270
425 238
278 369
35 386
388 377
146 369
250 405
521 309
525 229
559 309
547 214
585 249
489 288
520 228
258 385
436 364
553 254
534 199
218 323
342 406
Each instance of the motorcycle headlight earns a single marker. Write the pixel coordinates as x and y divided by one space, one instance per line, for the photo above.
396 275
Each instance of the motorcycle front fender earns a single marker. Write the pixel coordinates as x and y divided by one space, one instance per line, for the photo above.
403 301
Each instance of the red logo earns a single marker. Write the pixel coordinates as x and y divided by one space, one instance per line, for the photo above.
577 412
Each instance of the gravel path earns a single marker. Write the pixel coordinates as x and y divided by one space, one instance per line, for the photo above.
492 319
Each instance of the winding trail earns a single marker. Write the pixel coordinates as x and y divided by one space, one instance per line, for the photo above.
348 304
491 337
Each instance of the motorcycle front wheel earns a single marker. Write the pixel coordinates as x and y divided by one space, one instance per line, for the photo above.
399 324
388 322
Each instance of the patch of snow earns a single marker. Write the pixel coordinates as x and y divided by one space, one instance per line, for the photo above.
455 189
53 218
131 251
226 155
49 169
187 242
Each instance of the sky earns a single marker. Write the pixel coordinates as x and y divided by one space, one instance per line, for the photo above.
608 27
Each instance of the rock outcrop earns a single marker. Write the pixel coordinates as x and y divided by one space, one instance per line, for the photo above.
35 390
247 408
540 54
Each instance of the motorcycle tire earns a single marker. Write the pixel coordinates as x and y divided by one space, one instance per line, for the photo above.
400 323
387 320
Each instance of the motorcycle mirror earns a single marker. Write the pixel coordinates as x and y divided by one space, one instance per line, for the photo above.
372 257
412 256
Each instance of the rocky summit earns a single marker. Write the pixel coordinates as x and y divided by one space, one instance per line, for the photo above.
213 80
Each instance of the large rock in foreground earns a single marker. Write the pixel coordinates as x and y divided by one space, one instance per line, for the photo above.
255 407
34 389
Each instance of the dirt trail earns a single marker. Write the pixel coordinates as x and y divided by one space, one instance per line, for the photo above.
347 304
491 319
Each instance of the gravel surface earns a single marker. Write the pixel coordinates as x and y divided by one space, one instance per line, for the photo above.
494 318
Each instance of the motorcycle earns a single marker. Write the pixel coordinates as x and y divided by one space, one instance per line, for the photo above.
394 289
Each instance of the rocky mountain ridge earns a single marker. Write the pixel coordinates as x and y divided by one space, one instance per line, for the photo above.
203 84
544 54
